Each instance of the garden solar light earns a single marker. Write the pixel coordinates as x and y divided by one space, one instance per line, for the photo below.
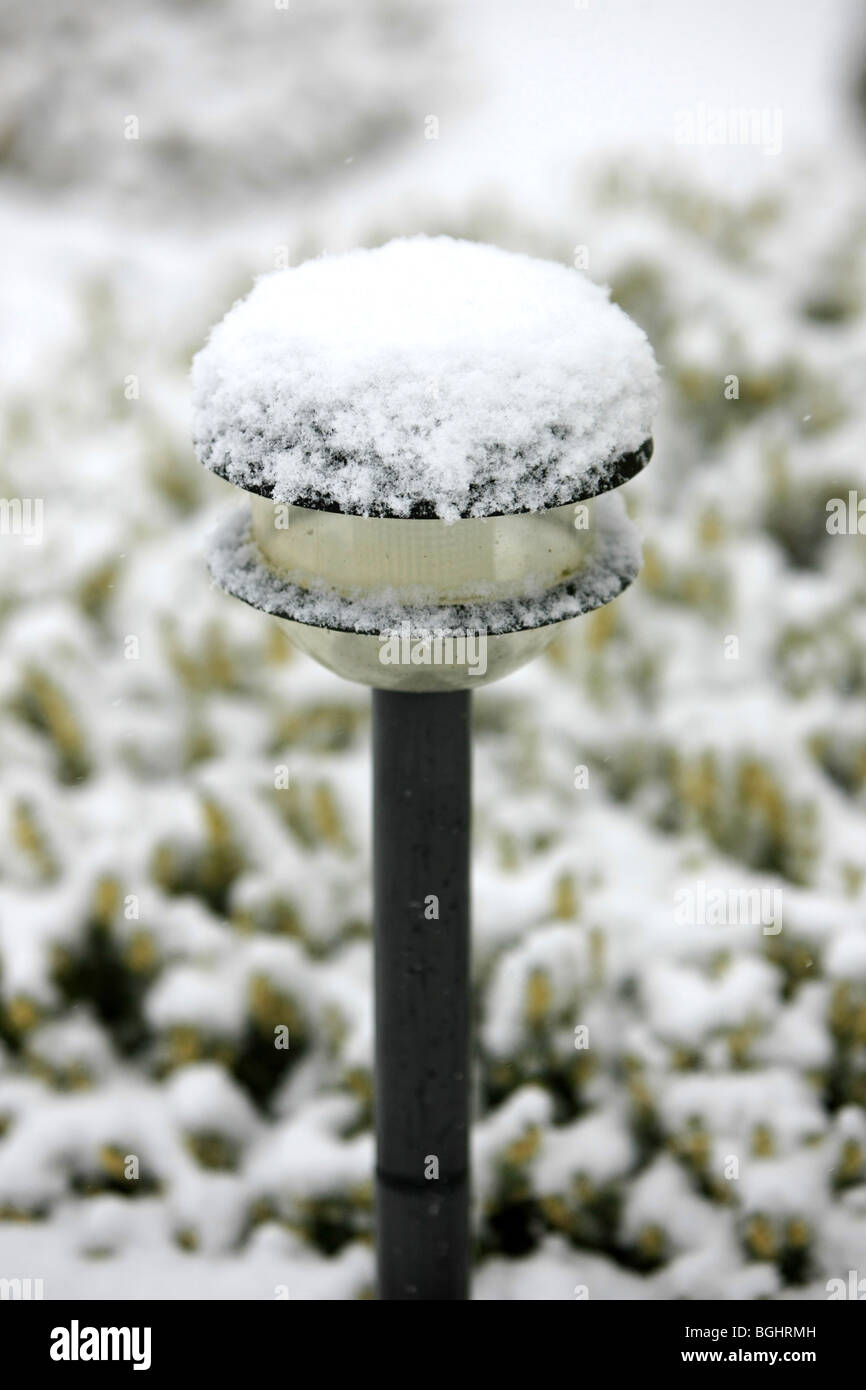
426 431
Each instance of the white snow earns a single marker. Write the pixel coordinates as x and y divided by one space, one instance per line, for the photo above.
428 374
598 1147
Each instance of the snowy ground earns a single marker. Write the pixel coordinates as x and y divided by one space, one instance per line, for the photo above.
668 1105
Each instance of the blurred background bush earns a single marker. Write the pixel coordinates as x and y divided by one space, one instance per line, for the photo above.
664 1110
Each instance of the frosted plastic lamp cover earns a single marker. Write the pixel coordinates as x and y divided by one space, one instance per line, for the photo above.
423 605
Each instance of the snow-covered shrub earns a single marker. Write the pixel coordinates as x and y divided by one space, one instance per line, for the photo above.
666 1106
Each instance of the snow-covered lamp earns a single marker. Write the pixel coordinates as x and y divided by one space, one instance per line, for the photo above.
431 433
423 429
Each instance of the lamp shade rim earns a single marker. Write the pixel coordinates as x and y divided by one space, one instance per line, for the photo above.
547 493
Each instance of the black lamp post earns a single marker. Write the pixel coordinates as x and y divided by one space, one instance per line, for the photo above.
423 593
421 810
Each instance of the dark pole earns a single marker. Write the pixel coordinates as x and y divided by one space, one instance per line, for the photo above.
421 795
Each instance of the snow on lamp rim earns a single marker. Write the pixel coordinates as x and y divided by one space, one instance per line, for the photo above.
428 378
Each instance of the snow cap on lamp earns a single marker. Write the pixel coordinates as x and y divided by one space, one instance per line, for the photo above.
445 403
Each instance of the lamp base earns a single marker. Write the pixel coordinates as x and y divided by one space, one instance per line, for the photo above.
401 661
